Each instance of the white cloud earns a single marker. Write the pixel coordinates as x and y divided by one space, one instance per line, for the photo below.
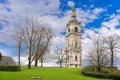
57 24
112 16
90 33
71 4
58 42
88 16
26 8
118 10
23 60
109 27
112 23
4 52
98 10
92 6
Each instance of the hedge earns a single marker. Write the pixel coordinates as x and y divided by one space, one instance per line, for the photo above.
101 75
93 74
113 76
9 68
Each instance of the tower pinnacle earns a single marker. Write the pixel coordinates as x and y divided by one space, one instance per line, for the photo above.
73 12
73 15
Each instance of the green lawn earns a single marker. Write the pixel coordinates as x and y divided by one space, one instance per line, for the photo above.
46 74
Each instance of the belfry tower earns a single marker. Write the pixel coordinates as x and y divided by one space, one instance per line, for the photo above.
73 42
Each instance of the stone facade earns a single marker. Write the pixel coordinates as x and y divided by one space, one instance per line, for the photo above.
73 42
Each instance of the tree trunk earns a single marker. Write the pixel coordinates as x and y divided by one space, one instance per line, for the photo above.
98 69
29 63
36 63
112 59
60 64
29 58
41 62
18 59
19 51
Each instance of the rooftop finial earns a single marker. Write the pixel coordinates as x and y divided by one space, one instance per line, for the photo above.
73 15
73 12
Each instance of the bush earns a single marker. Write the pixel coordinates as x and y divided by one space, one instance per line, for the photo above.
93 74
110 71
91 68
100 75
113 76
9 68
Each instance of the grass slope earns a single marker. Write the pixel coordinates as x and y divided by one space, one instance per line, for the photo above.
45 74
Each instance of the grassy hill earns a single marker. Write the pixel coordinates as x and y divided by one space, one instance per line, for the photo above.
46 74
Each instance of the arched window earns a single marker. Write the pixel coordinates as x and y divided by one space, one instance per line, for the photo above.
75 58
68 57
68 29
75 44
76 29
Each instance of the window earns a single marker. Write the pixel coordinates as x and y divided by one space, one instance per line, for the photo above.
75 58
68 57
76 45
68 29
76 29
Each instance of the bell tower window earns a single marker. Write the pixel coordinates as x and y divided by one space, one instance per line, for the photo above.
75 45
75 58
68 57
76 29
68 29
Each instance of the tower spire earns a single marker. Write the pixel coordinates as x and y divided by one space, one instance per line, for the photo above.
73 15
73 12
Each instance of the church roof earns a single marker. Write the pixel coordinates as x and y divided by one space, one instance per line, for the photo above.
7 60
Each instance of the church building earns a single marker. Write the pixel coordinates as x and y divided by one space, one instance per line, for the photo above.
73 42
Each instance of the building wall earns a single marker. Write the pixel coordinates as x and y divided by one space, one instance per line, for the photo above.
71 49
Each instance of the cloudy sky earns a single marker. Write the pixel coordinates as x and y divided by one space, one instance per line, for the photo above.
96 17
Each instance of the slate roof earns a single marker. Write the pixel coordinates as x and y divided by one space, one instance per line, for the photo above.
7 60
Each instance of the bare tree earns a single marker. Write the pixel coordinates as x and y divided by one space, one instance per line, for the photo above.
42 44
38 44
113 47
34 37
61 56
29 29
1 34
97 54
18 37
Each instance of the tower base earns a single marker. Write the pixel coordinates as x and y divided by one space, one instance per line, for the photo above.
73 65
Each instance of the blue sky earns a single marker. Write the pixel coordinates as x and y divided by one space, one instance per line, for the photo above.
96 16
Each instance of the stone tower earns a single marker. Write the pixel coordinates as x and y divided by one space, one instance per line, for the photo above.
73 42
